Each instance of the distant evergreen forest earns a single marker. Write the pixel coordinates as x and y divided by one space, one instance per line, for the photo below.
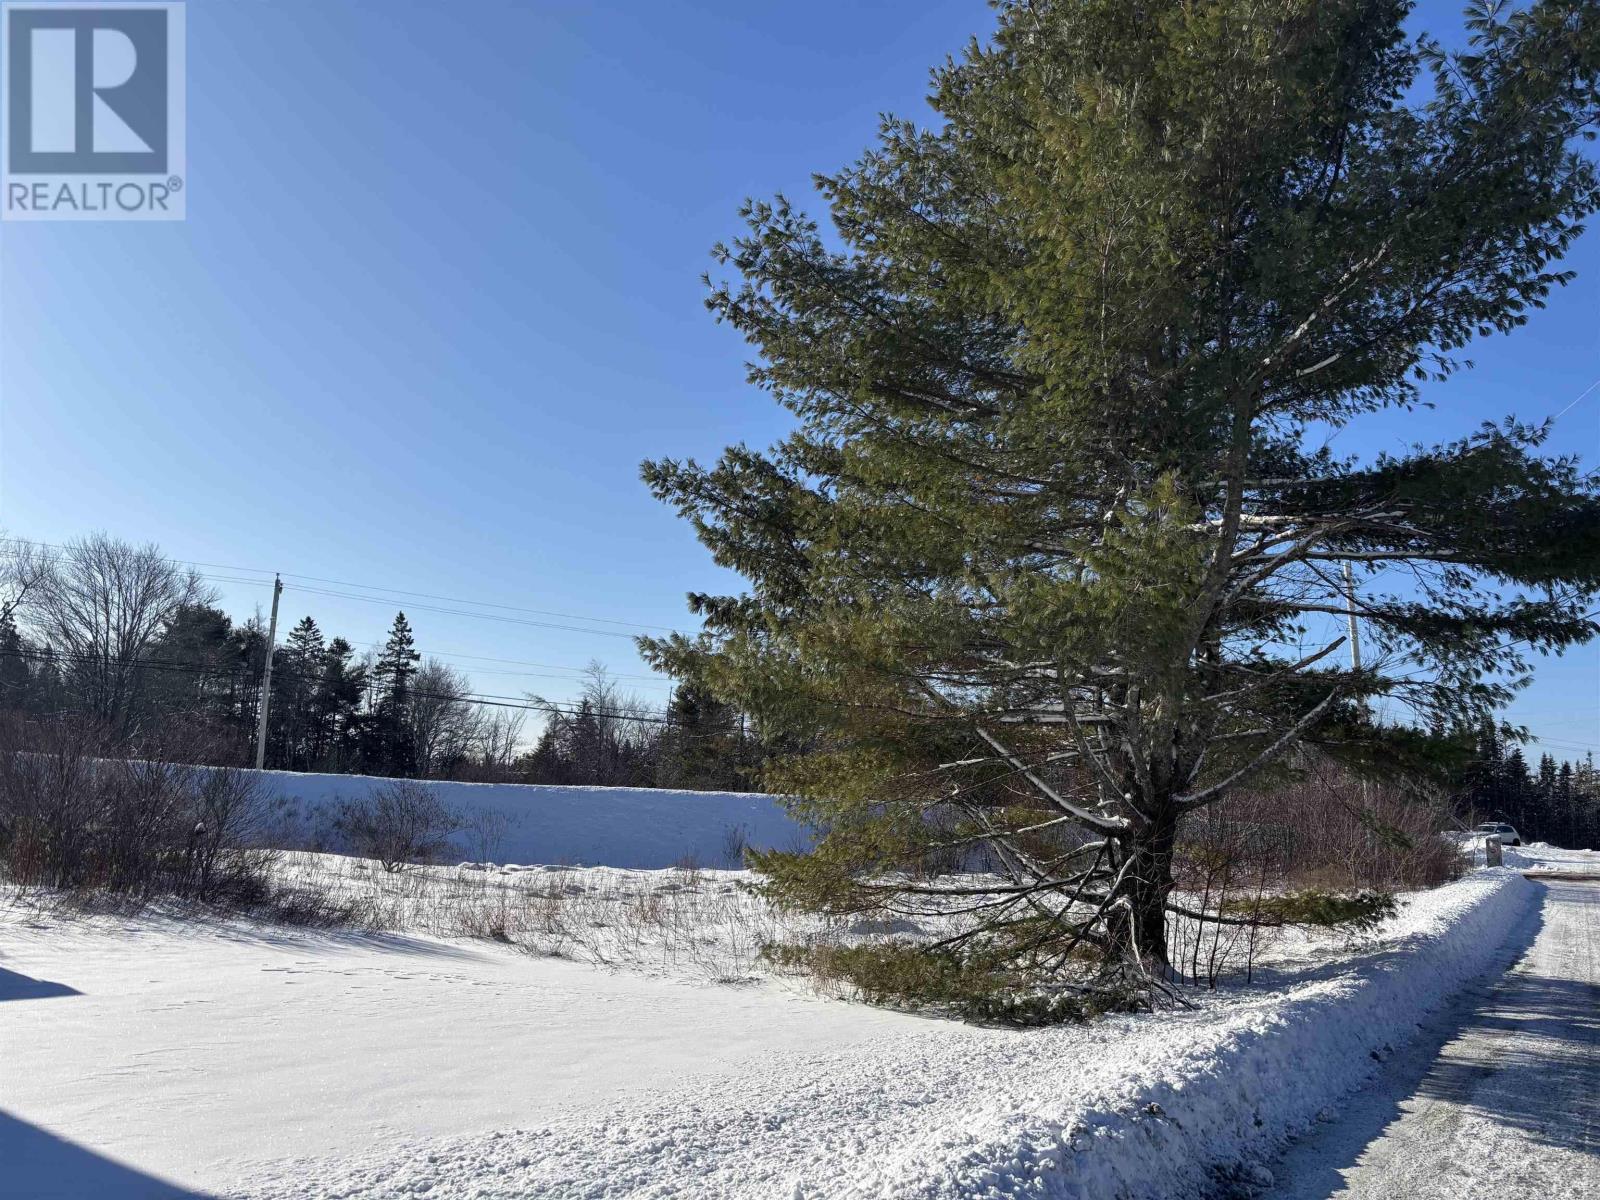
1555 801
118 634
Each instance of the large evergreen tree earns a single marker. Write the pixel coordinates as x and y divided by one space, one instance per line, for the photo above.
1052 560
200 670
701 747
392 675
338 707
296 677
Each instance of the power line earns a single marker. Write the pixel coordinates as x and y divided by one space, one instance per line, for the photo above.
632 681
1563 743
58 558
241 674
518 662
266 581
1581 395
461 612
482 603
178 562
657 680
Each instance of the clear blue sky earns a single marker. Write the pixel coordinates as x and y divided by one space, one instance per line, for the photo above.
438 294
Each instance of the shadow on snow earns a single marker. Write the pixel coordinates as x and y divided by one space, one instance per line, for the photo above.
1539 1059
16 986
41 1166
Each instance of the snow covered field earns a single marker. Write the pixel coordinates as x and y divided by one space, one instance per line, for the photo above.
152 1056
587 826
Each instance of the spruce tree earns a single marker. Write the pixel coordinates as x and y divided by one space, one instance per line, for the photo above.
392 676
1052 559
398 663
206 672
701 746
547 763
15 655
304 643
1566 804
339 696
295 681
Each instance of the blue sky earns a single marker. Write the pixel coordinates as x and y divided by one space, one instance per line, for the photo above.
438 294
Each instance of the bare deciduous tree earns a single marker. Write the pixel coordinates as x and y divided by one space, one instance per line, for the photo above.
101 604
499 738
604 737
21 566
443 722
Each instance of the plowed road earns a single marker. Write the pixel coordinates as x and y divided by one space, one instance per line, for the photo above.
1501 1099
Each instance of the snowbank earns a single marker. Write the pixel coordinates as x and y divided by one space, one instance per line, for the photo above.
641 828
1227 1097
1545 859
1166 1107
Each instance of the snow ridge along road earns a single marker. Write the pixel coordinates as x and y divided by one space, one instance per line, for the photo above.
646 828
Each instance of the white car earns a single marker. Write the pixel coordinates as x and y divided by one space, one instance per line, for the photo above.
1508 836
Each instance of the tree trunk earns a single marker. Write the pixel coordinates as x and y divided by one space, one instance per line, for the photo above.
1145 886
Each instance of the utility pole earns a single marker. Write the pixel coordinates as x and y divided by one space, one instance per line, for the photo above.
1350 615
1355 645
266 676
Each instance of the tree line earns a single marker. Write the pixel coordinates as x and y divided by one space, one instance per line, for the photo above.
1553 801
122 636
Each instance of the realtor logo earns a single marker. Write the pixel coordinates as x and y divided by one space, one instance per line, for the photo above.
92 111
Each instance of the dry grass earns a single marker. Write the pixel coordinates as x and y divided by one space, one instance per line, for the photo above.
685 921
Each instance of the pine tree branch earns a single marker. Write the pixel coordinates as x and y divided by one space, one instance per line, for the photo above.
1217 790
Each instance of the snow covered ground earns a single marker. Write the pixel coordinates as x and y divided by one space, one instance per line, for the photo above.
682 923
152 1056
1539 858
588 826
185 1053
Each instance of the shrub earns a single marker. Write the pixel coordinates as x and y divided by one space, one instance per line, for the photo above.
79 814
969 985
1327 830
399 822
735 842
486 832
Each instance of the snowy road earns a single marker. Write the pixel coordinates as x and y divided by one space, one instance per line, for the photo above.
1507 1107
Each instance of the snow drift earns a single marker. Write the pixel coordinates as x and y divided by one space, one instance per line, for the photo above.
1229 1093
640 828
1131 1107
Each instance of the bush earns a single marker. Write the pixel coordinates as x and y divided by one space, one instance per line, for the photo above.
399 822
78 814
906 975
1324 852
1328 830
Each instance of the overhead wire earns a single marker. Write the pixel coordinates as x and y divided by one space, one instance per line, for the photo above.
266 581
241 673
266 578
